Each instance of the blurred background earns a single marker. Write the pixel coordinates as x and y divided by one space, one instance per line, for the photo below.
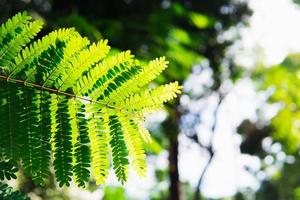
234 133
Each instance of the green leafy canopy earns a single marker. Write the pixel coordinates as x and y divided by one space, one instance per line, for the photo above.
64 100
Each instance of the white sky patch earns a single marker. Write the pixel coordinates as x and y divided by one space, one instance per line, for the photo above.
225 174
273 33
139 187
240 104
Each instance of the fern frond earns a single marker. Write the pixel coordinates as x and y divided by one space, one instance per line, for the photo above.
62 97
80 141
73 47
63 143
98 135
17 40
134 144
12 105
132 80
7 192
24 63
53 128
30 126
10 25
143 131
8 170
119 149
150 101
42 158
4 125
9 29
88 57
103 72
119 81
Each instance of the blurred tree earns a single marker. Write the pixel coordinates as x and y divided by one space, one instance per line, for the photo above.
252 137
281 83
283 185
297 1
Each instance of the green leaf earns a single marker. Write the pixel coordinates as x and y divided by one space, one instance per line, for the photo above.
6 192
64 99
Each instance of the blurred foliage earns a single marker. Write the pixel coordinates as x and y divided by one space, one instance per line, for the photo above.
296 1
81 24
112 193
252 137
154 147
284 185
158 34
283 82
160 189
48 191
282 175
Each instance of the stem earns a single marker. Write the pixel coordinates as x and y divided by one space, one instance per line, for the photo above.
51 90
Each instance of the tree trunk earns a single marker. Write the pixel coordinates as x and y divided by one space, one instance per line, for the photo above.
175 185
171 129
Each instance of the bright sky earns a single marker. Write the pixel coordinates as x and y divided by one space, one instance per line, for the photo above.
226 172
273 33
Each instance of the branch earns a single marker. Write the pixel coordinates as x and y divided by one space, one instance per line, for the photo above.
209 147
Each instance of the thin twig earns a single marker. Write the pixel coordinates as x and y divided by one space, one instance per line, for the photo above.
209 147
